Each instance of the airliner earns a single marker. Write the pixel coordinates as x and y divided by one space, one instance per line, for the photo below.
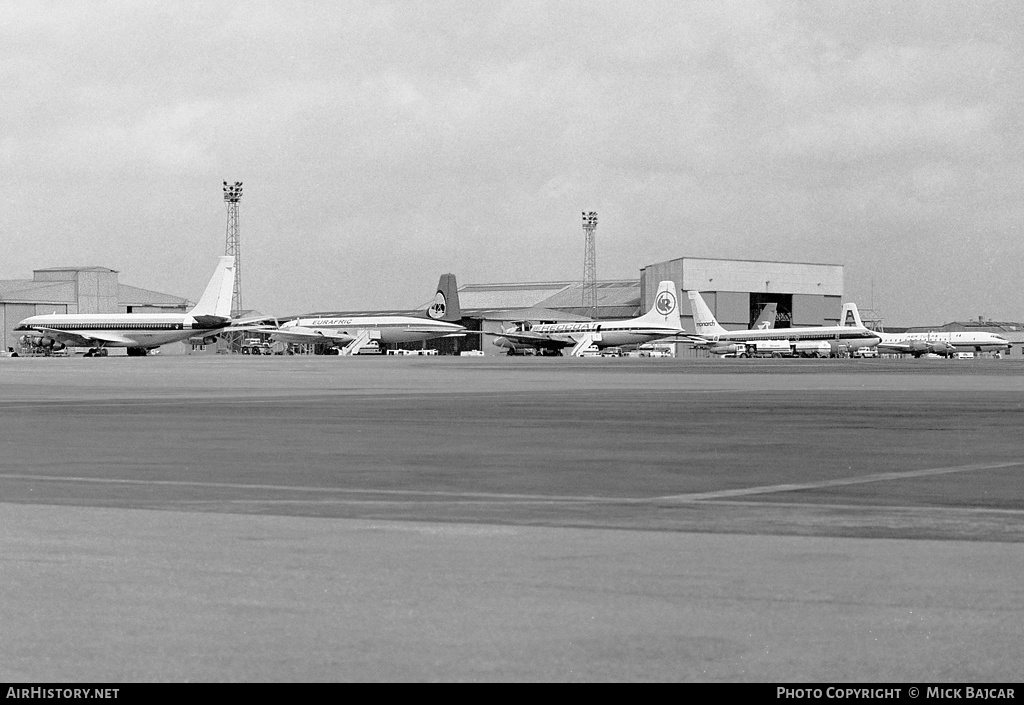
807 341
945 343
139 332
662 321
352 333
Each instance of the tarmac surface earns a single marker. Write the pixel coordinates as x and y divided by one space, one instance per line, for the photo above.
339 519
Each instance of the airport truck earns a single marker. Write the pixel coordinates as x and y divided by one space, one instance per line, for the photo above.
256 346
785 348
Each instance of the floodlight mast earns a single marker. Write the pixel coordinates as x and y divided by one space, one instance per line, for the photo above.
590 263
232 245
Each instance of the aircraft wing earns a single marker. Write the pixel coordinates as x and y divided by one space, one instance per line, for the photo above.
683 336
310 336
425 331
543 340
896 347
85 339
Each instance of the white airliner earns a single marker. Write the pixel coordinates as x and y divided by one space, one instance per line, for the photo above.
662 321
352 333
139 332
806 341
945 343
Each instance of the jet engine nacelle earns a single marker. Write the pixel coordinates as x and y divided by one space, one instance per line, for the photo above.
727 348
41 341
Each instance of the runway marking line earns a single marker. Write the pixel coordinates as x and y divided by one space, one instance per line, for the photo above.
863 479
696 497
332 490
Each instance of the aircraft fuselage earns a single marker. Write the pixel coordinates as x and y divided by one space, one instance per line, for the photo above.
144 330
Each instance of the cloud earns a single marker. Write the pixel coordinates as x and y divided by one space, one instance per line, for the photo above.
393 141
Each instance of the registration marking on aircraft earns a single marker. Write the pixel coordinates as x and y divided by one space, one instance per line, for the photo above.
862 479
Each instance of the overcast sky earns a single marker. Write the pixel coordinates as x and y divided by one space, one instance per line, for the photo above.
383 143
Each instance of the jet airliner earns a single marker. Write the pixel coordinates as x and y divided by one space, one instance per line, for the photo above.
804 341
139 332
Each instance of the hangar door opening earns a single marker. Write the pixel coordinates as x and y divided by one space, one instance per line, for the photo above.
784 311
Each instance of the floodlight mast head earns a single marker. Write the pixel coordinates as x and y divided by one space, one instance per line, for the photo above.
233 192
589 219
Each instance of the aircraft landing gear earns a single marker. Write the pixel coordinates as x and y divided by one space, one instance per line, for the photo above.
96 352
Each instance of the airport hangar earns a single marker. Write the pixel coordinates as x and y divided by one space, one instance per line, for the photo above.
736 291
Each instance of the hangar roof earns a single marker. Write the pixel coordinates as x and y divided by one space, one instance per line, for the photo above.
76 269
136 296
531 313
984 325
615 299
501 296
33 292
29 291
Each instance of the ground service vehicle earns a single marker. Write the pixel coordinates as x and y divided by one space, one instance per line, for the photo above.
785 348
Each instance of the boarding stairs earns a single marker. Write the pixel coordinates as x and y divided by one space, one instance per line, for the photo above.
584 343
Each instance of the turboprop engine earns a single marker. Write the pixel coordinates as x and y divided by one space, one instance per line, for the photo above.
941 348
41 341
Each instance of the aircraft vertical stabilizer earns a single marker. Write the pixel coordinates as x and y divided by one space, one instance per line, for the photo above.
665 310
766 321
445 306
216 300
851 316
703 320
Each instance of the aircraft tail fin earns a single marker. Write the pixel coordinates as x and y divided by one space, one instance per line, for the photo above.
216 300
665 309
851 316
445 306
703 320
766 321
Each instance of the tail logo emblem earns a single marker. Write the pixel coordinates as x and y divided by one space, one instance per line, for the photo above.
849 318
665 303
438 308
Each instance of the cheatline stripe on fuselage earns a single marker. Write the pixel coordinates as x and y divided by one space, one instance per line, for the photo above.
369 324
746 336
110 326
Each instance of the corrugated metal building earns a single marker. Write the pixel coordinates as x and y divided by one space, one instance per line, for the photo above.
736 290
76 290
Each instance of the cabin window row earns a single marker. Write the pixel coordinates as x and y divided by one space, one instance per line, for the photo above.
116 326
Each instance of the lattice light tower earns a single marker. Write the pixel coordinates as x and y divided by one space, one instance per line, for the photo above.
590 262
232 246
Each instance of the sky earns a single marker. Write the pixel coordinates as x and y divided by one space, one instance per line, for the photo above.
384 143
